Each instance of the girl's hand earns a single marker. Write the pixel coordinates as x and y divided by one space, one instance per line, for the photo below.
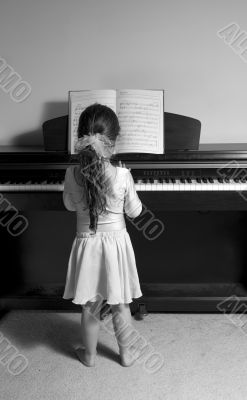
123 165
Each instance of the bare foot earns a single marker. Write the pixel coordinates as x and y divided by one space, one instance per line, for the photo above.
126 359
88 360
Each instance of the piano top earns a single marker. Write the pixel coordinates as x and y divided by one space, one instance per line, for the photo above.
208 152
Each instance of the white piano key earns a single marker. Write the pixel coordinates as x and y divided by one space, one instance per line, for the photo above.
232 184
215 186
193 185
226 186
59 187
142 187
238 186
182 186
176 185
156 182
44 185
169 186
22 187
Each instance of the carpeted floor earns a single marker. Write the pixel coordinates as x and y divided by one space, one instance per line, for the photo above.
204 357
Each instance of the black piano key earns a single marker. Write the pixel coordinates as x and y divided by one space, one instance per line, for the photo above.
211 180
198 180
243 180
226 180
188 180
236 180
220 180
182 180
167 180
204 180
173 180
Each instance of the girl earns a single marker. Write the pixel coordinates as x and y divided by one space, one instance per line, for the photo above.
102 262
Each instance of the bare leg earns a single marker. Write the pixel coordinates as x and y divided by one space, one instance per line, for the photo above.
122 323
90 324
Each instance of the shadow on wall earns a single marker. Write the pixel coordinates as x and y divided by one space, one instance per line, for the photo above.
35 137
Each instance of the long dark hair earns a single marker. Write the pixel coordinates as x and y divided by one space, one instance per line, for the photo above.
96 118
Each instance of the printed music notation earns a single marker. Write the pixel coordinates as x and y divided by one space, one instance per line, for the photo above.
140 119
78 108
140 114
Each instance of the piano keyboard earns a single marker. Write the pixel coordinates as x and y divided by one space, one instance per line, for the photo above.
30 186
168 184
199 184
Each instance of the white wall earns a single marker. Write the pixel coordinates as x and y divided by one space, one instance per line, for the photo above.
59 45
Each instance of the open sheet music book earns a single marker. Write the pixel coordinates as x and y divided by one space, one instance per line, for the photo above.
140 113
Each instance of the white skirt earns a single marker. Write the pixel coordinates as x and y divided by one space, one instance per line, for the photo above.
102 267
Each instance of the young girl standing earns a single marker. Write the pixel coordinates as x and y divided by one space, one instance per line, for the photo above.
102 260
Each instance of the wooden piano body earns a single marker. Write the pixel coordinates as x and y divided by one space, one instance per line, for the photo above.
194 264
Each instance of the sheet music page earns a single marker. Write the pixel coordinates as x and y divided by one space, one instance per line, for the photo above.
141 118
78 101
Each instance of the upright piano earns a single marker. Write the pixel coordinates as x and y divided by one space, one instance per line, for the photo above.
189 242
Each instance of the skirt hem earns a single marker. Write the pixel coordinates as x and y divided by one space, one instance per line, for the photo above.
84 301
